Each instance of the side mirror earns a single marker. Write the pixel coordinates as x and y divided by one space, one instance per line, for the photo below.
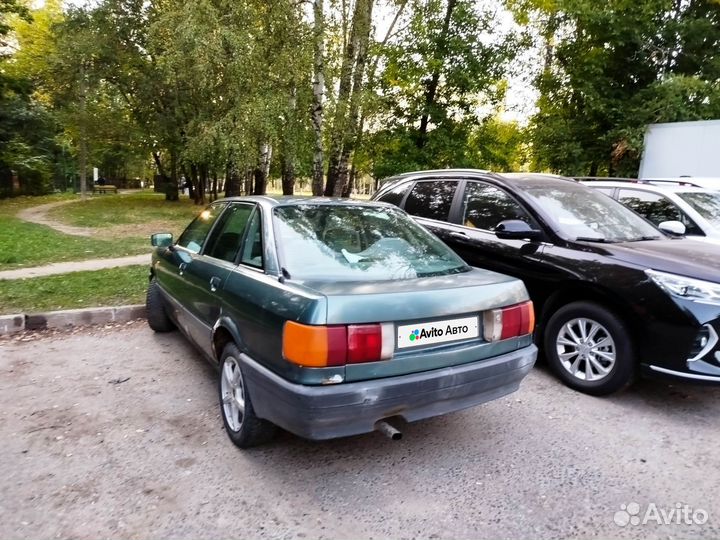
516 229
161 239
673 228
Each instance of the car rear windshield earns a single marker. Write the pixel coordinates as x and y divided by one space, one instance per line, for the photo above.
705 204
581 213
348 243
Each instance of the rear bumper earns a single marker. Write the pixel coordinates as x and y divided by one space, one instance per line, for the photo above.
326 412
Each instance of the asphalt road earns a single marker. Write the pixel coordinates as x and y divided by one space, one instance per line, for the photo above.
115 433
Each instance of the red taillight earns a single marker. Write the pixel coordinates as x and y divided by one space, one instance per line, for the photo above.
364 343
321 346
511 321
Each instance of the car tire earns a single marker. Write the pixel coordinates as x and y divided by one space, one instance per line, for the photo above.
589 349
157 317
242 425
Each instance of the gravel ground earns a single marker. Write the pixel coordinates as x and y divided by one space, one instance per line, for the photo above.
114 432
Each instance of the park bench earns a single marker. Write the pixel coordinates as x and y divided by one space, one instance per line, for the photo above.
105 189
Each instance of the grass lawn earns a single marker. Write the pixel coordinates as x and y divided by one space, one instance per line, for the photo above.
133 211
126 221
112 287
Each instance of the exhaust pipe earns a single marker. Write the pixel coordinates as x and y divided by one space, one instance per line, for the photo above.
387 430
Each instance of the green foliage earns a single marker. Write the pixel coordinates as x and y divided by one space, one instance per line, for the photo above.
27 128
447 70
112 287
612 68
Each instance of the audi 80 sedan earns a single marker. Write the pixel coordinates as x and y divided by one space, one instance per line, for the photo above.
331 318
615 296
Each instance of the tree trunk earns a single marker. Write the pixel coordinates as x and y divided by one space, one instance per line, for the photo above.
371 79
249 176
288 176
205 180
345 88
171 187
262 170
233 182
215 186
434 81
362 26
197 182
189 184
318 169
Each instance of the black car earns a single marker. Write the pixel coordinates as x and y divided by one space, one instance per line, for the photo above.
614 295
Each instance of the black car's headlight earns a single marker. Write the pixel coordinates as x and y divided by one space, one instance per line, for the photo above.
697 290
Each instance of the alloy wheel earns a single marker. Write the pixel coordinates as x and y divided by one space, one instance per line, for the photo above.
233 393
586 349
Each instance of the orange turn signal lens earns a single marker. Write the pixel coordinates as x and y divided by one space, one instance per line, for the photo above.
314 346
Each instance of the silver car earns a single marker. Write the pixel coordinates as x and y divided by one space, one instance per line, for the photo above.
665 204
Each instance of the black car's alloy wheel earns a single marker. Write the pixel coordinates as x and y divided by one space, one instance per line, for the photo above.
243 427
157 317
588 347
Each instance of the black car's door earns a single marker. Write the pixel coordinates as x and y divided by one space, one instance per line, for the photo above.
205 277
482 206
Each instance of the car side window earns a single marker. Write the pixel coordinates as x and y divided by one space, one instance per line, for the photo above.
431 199
194 236
224 243
396 194
657 208
484 206
606 190
252 251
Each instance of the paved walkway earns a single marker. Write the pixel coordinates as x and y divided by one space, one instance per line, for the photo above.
74 266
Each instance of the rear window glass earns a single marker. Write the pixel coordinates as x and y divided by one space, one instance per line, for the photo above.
349 243
396 194
431 200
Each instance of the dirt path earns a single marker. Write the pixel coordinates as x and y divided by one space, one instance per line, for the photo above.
38 214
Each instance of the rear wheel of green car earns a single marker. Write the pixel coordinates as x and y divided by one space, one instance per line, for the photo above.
157 317
243 427
588 347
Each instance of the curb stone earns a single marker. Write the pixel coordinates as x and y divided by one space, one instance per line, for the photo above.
20 322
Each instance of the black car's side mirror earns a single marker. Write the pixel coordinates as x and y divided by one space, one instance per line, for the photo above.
516 229
161 239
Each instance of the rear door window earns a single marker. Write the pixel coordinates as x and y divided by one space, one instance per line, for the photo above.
396 194
431 199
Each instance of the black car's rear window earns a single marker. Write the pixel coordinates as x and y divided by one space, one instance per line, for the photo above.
349 243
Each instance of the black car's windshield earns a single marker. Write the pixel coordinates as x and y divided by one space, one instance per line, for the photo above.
347 243
582 213
707 204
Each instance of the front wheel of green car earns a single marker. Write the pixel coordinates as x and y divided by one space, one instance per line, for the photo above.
243 427
157 317
588 347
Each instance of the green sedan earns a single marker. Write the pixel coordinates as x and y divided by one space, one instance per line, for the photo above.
331 318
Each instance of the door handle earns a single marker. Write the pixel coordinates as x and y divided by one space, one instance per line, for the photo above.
182 268
459 235
214 283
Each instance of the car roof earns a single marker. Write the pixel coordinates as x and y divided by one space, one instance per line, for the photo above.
297 200
520 180
648 186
